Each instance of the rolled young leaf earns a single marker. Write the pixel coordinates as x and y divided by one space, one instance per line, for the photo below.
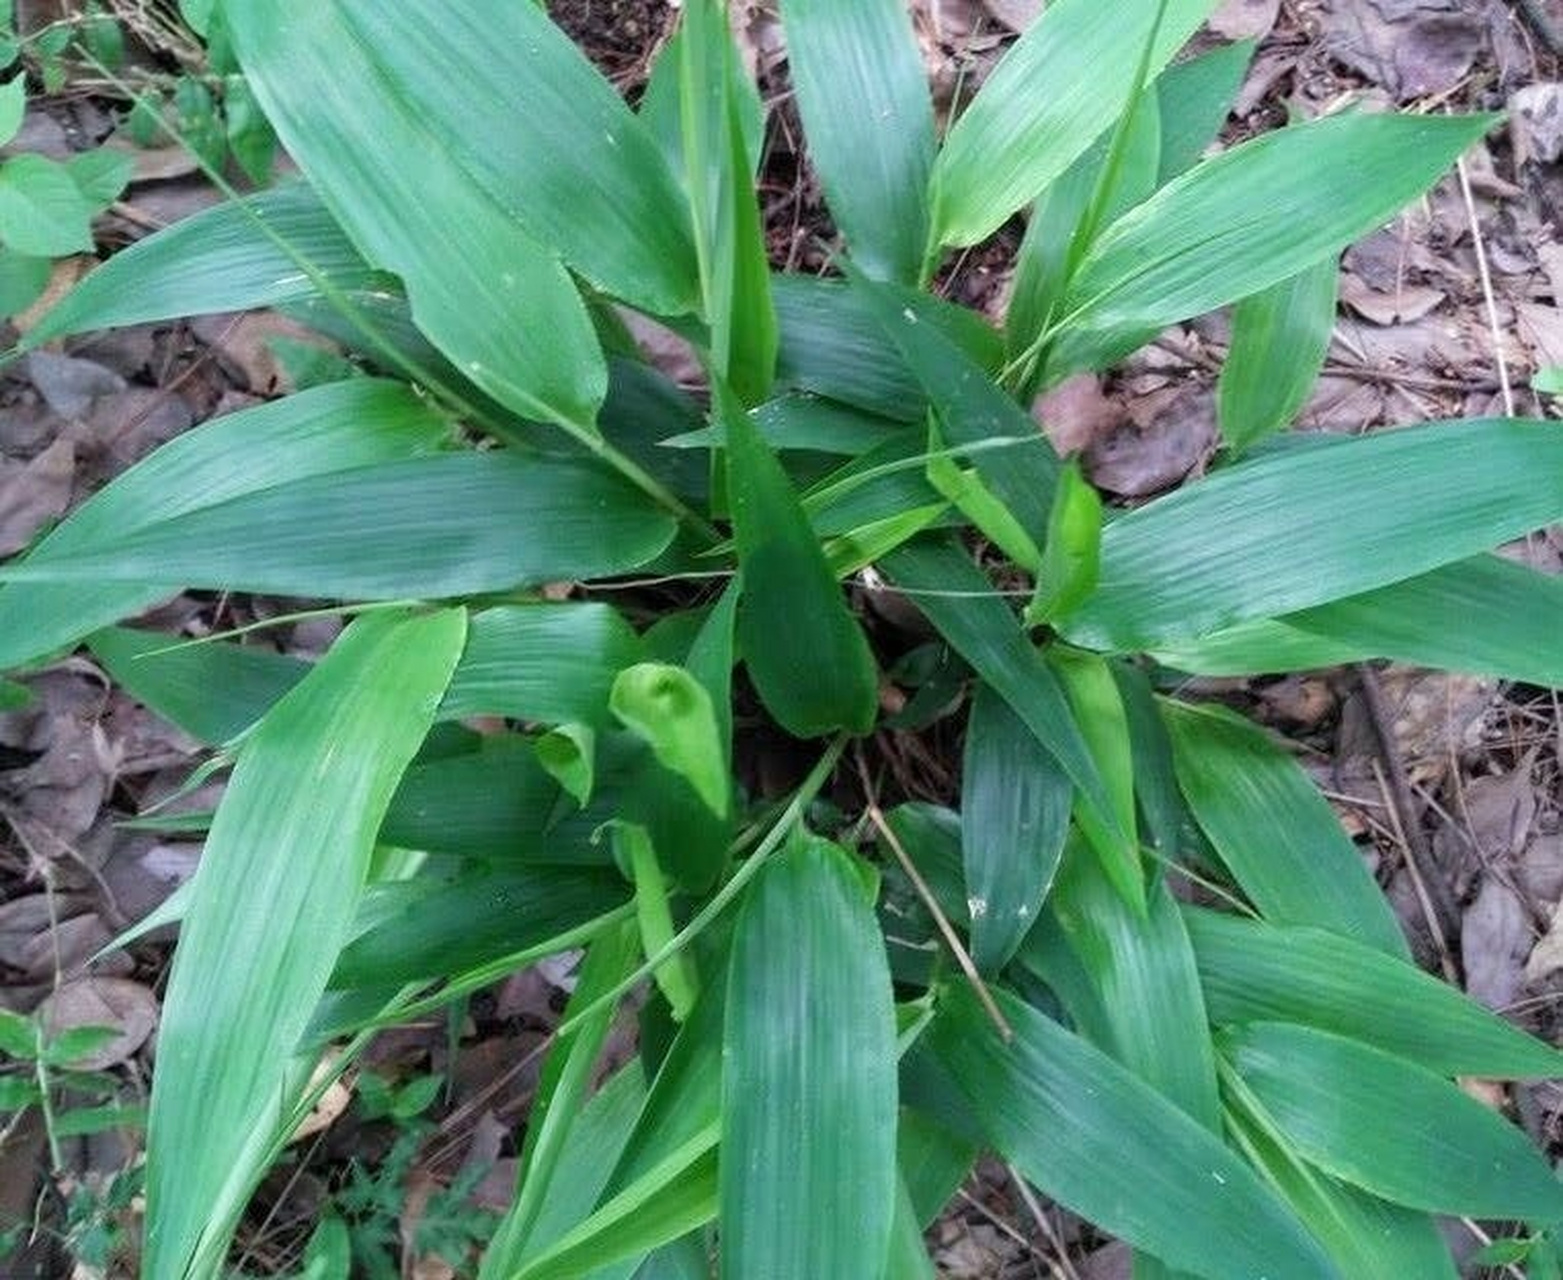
281 876
1106 1145
863 95
809 1081
1362 1115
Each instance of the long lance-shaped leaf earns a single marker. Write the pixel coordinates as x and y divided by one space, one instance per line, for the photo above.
1280 337
1105 1144
955 596
220 259
1257 972
809 1085
830 345
452 524
1014 817
1377 509
497 302
971 408
282 873
1195 96
1274 831
863 95
1259 214
805 652
214 691
1521 613
1068 77
1361 1114
1143 968
581 173
422 931
735 277
1365 1236
321 432
553 663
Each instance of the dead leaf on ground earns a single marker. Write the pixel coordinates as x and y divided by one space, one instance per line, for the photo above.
128 1007
1244 19
1413 48
34 493
1495 941
1536 122
70 384
1076 413
1017 15
1402 304
1173 434
1498 811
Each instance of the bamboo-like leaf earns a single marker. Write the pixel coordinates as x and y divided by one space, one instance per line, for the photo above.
422 931
1155 781
1218 552
1257 972
490 296
552 663
496 803
220 259
582 174
1279 340
831 346
212 691
863 94
1273 830
1521 611
955 596
328 430
1361 1114
282 873
1259 214
970 408
1100 1141
1365 1235
447 525
809 1085
729 240
1195 97
806 654
1014 817
1088 684
1096 188
566 1078
1068 77
1143 969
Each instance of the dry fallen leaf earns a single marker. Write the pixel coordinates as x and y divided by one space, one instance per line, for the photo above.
34 493
1413 48
1245 19
1495 939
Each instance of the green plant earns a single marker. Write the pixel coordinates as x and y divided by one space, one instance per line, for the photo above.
46 207
1259 1092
